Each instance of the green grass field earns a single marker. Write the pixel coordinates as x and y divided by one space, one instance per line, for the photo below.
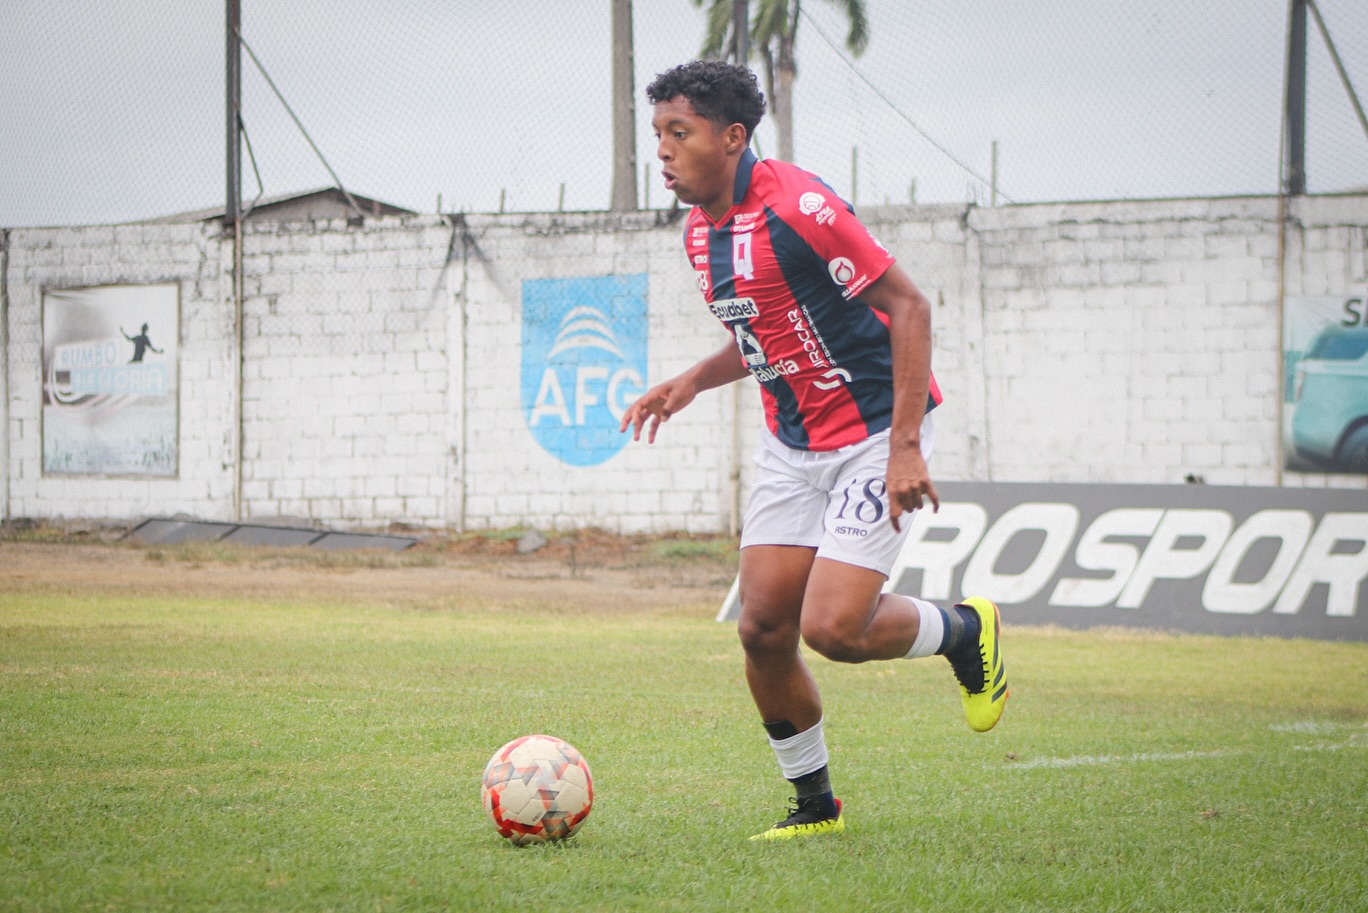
192 754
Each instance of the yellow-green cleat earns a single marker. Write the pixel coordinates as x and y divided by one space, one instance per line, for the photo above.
803 821
980 670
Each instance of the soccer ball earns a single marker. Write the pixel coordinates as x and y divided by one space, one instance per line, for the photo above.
537 788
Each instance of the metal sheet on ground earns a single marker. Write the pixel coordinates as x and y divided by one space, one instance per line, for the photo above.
279 536
170 532
164 531
361 540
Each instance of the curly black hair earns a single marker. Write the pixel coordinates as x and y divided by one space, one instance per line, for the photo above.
724 93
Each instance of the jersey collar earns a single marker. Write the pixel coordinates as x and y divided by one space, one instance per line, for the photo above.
744 167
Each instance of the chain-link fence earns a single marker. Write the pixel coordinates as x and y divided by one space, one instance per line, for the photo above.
113 110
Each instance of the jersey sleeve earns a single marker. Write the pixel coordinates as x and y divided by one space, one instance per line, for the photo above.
851 256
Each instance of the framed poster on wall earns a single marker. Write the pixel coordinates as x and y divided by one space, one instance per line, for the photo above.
110 356
1325 385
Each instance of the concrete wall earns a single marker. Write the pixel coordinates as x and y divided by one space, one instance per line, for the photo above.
348 400
381 365
192 256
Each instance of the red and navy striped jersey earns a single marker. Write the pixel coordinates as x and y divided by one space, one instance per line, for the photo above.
783 270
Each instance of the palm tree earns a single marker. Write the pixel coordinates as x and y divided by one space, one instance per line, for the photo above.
773 34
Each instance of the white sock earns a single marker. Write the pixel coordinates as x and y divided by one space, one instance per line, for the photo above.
801 754
930 632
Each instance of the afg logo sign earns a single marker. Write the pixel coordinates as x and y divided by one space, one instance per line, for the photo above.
583 362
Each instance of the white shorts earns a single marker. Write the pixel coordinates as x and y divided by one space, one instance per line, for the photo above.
833 501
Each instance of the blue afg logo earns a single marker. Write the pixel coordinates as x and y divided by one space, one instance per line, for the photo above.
583 362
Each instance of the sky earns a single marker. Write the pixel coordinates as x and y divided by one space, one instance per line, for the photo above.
113 110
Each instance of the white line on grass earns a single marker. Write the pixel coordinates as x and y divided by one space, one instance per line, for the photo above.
1091 760
1311 727
1354 741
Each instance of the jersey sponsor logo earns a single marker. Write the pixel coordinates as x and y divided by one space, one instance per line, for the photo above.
745 222
755 358
751 351
700 259
814 204
809 339
703 282
843 272
832 379
584 344
729 310
765 373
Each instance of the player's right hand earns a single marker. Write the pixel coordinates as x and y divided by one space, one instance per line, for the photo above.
909 484
656 405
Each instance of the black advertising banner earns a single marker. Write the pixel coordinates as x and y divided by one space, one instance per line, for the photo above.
1290 562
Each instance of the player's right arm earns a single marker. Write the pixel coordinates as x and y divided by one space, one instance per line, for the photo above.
663 400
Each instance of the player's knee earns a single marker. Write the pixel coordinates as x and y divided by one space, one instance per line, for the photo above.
838 643
763 633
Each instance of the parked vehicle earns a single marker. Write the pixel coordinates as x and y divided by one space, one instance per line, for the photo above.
1330 418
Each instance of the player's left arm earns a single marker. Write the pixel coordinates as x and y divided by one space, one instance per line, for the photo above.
839 237
909 333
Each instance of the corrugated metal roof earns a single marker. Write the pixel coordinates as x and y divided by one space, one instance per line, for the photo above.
322 203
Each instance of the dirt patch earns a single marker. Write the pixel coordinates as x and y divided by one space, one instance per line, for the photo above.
584 571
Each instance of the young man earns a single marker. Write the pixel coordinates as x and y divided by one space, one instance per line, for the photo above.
840 340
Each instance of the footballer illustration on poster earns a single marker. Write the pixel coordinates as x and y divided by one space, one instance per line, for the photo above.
110 380
1325 383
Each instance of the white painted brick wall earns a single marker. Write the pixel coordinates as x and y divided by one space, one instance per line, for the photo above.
1089 342
56 258
348 387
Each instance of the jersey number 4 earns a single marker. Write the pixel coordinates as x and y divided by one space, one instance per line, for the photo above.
742 264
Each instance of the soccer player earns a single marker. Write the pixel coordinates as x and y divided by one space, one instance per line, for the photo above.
141 343
840 340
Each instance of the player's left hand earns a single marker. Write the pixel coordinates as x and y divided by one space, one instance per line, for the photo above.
909 484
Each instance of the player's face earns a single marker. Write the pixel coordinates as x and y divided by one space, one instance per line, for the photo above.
695 156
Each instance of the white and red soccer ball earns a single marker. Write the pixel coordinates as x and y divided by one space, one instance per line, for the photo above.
537 788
